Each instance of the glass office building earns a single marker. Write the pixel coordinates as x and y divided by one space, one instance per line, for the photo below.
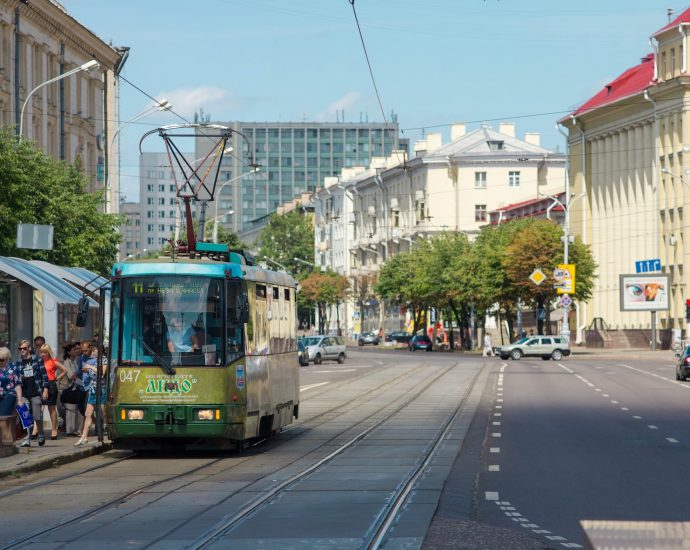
293 157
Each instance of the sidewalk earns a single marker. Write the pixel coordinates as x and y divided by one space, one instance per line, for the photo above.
52 454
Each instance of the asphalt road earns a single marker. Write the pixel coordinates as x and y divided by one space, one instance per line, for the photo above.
538 446
584 438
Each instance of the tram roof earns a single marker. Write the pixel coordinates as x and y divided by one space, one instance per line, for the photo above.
201 267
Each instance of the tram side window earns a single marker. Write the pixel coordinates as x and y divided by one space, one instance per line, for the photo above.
235 330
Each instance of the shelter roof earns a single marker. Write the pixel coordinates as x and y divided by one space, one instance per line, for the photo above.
40 279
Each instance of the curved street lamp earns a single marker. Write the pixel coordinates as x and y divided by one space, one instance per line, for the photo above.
85 67
217 200
160 105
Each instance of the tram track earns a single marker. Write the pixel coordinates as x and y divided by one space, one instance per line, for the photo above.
327 416
386 518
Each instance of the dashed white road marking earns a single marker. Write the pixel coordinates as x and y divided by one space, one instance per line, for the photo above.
491 495
330 371
498 414
606 395
637 417
496 434
625 409
496 423
653 427
494 468
614 402
495 450
498 407
671 440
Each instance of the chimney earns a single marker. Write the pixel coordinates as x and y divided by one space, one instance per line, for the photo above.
434 141
507 128
457 130
533 138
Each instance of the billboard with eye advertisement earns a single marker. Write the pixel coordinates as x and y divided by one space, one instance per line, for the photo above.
644 292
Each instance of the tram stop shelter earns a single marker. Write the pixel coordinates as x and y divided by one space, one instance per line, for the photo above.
39 298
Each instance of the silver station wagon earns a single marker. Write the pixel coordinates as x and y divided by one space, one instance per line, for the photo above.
325 347
546 347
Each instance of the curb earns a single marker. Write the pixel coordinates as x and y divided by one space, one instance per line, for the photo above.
53 461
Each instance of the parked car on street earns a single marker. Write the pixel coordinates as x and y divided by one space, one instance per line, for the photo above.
683 364
325 347
546 347
399 336
368 338
302 354
421 341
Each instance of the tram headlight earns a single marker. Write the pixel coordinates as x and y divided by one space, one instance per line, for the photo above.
135 414
204 414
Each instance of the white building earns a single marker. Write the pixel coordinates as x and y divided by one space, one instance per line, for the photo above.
130 229
449 187
161 216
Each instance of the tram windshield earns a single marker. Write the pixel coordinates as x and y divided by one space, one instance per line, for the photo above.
170 321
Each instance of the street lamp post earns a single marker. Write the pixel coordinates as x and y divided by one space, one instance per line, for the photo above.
565 329
160 105
217 200
85 67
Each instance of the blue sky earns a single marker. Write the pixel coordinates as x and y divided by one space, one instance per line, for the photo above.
435 61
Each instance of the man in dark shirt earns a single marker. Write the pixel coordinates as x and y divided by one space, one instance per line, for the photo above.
34 387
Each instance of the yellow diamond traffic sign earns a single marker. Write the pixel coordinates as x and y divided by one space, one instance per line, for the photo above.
537 276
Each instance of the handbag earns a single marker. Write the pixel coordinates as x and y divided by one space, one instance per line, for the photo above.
73 394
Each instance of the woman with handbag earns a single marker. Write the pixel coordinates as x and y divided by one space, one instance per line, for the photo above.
72 418
10 384
54 369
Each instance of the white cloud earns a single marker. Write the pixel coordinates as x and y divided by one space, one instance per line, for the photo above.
348 101
211 99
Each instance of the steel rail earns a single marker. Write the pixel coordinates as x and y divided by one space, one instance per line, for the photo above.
228 524
396 503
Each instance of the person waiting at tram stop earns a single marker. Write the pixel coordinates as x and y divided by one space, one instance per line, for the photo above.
10 383
35 386
55 370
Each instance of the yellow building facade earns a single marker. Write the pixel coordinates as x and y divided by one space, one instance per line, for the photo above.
627 155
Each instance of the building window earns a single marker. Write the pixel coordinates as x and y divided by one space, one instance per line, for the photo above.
495 145
161 227
673 62
149 214
149 187
172 188
172 213
149 240
480 212
514 179
149 227
419 211
161 188
480 180
161 200
149 200
161 214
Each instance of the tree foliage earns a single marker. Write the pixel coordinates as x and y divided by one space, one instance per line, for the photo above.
289 236
39 189
324 290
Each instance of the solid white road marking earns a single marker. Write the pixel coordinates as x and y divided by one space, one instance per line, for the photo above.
330 371
312 386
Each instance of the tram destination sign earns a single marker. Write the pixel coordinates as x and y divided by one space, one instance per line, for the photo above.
183 288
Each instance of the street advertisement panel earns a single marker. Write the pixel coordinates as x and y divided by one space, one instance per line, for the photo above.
644 292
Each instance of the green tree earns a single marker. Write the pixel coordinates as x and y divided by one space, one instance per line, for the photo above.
289 236
538 244
39 189
325 290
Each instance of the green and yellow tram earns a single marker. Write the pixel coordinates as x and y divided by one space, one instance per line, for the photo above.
203 352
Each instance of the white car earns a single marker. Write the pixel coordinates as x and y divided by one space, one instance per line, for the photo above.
546 347
325 347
